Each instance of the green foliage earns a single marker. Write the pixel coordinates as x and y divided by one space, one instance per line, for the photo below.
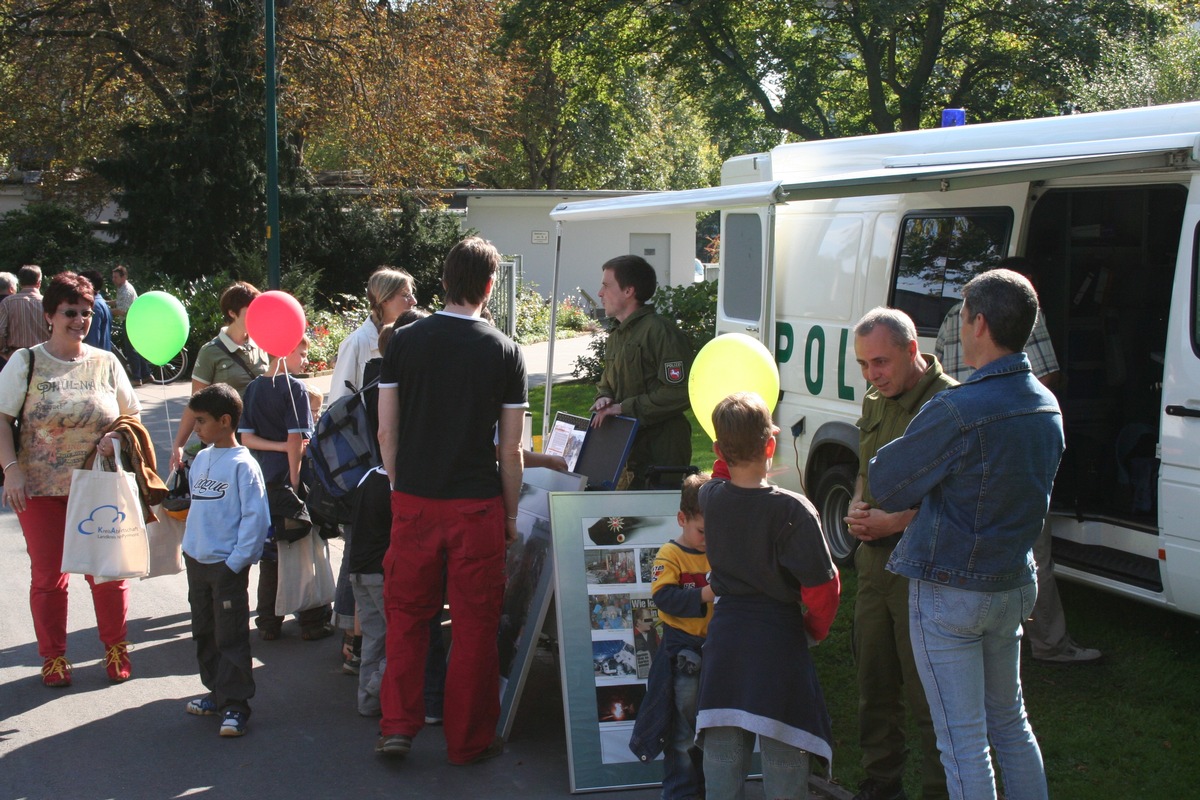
1133 73
692 306
345 241
52 236
593 120
590 366
191 186
533 315
327 329
572 317
818 70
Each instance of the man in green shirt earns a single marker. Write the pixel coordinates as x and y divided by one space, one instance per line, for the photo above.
646 363
902 379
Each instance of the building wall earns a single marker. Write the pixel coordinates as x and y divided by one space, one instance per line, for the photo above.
520 224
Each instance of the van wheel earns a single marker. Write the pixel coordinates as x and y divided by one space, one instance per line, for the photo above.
833 495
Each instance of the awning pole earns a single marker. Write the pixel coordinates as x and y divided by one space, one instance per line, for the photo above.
553 332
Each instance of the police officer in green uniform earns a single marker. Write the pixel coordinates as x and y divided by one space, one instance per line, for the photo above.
646 364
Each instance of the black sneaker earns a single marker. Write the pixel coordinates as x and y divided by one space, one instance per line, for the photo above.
234 723
871 789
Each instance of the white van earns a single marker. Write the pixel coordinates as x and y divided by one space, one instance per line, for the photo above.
1106 206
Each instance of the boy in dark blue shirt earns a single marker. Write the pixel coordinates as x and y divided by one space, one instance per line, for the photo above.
276 421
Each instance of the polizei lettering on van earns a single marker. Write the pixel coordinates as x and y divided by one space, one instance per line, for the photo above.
816 359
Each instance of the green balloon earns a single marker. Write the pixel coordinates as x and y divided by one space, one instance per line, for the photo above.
157 326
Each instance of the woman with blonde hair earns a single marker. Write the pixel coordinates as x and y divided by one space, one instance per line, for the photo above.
390 293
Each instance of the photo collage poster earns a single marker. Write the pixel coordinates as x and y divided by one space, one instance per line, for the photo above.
618 553
609 631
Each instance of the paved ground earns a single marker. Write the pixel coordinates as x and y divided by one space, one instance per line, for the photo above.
134 741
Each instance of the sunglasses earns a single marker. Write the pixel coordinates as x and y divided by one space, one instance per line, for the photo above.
71 313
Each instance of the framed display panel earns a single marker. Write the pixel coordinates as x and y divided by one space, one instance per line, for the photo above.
608 629
529 587
605 450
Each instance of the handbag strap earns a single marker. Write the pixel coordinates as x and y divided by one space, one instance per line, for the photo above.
98 463
236 356
28 383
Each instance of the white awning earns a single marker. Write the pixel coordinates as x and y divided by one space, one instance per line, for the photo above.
951 176
944 171
761 193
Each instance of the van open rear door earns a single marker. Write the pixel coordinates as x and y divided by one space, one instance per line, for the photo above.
1179 483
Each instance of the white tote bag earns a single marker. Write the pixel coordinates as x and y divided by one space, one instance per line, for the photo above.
305 576
166 544
105 533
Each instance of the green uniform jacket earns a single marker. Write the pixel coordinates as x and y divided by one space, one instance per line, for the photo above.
884 419
646 366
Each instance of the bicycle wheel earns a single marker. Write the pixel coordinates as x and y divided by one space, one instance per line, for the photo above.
172 370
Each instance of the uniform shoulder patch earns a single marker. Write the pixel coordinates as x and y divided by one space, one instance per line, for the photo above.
673 371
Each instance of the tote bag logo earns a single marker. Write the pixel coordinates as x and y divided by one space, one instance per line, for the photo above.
107 522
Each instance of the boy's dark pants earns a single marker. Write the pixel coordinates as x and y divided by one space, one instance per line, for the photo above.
221 629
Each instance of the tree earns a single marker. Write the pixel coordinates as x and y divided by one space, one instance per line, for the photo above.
191 185
49 235
404 88
1133 73
822 68
587 120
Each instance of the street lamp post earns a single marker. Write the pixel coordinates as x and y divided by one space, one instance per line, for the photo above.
272 135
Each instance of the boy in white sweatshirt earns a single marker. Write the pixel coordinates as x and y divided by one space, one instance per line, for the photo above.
226 527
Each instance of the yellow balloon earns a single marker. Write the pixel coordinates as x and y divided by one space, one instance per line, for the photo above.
731 363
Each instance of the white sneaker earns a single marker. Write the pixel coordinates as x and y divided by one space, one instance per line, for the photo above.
1072 654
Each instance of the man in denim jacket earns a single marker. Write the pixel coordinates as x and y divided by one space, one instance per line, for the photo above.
980 461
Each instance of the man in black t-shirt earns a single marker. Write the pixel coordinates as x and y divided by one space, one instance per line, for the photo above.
447 384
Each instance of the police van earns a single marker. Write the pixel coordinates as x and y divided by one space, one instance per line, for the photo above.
1105 207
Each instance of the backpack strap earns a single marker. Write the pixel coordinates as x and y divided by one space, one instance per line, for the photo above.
236 356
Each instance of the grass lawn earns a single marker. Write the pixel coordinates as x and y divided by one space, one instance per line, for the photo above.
1124 728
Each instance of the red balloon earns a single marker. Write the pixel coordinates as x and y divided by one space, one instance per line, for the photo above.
275 321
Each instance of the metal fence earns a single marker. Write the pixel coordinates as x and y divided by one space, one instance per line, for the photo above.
503 304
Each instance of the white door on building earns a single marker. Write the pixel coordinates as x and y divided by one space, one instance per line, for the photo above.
655 248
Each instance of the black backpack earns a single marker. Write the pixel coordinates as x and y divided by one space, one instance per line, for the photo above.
342 451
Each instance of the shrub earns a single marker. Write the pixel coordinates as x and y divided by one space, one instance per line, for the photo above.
572 317
328 328
533 315
52 236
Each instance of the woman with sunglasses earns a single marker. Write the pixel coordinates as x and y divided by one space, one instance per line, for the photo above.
65 393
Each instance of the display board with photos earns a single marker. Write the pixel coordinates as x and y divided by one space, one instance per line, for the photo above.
528 590
608 627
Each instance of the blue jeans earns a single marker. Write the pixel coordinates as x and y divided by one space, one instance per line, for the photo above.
683 777
727 754
967 646
343 596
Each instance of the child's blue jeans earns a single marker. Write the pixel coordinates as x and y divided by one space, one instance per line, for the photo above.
683 778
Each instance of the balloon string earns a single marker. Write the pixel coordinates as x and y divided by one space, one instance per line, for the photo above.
291 396
166 402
